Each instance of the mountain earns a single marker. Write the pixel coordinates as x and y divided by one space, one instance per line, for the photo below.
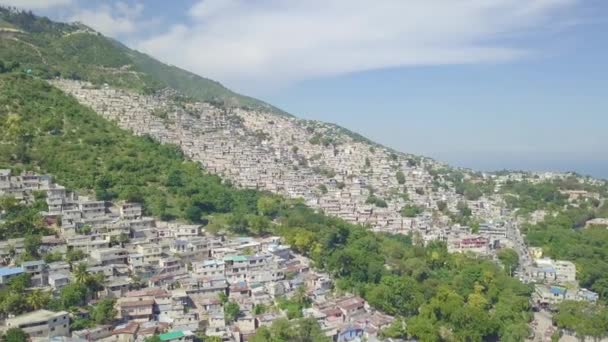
51 49
111 122
44 130
242 139
246 141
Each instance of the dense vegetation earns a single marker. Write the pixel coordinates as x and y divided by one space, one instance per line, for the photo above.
562 233
441 296
281 330
15 335
17 298
48 49
19 220
411 210
43 129
435 295
562 237
472 188
582 318
528 197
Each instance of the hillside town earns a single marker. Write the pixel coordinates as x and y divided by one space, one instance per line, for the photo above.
169 279
142 202
325 166
328 168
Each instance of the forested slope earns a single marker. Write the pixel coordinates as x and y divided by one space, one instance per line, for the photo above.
439 295
48 49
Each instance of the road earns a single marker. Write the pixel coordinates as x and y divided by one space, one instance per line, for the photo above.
519 245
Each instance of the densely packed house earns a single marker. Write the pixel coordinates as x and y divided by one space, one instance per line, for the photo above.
167 278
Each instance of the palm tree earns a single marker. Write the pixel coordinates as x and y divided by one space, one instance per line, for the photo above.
81 274
37 299
95 283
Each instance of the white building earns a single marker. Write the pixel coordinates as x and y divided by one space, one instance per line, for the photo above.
42 323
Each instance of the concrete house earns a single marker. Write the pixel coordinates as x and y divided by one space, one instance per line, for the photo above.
7 273
42 323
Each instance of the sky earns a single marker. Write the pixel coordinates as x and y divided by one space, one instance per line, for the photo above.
489 85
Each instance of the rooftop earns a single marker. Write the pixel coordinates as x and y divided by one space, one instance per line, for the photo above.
172 335
235 258
33 263
8 271
34 316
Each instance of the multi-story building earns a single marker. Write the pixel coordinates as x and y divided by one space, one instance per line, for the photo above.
42 323
8 273
109 256
493 231
130 211
38 272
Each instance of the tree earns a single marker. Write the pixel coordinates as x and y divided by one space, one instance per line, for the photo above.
308 329
262 334
104 311
95 283
509 258
174 179
72 295
80 323
464 209
301 297
423 328
211 339
259 309
282 330
37 299
231 311
53 257
15 335
323 188
268 206
411 211
85 229
194 213
81 274
259 225
31 245
19 283
442 206
400 177
13 303
515 332
223 298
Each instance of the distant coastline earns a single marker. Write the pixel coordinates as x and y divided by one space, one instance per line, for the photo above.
596 169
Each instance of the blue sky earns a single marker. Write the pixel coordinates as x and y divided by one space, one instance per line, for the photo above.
518 84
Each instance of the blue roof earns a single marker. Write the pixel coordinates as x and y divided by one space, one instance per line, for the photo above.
8 271
556 290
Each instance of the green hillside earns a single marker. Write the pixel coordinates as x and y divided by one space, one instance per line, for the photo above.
44 130
49 49
193 85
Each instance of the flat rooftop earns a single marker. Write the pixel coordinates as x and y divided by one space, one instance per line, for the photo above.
35 316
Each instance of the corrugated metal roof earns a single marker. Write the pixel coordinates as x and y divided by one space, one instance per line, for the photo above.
8 271
172 335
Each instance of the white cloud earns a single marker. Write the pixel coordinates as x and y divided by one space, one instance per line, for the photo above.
111 20
36 4
273 41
